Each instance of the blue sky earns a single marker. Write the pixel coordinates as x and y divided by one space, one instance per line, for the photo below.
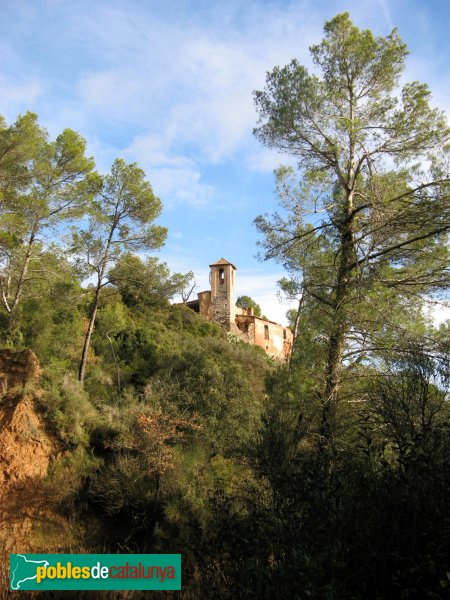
169 85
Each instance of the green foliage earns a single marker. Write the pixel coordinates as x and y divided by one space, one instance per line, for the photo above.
224 384
364 234
67 476
69 412
148 282
49 318
184 438
247 302
120 219
170 405
408 398
17 147
121 216
44 184
372 527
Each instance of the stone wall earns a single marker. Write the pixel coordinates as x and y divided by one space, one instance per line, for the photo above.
204 299
223 304
274 338
246 327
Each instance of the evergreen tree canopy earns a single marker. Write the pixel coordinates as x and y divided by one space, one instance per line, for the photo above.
247 302
367 223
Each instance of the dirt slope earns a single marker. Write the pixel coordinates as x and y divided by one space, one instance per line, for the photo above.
25 453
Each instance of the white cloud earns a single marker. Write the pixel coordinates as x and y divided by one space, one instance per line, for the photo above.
262 287
386 13
265 160
179 185
109 91
155 149
18 97
173 176
437 310
193 84
180 88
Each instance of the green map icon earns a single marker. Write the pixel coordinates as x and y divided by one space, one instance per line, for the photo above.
23 569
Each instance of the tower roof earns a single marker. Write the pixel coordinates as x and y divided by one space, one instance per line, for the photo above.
221 262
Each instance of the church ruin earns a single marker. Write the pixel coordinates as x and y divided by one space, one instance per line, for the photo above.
219 306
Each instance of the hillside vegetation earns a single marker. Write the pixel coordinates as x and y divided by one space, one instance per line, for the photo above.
137 427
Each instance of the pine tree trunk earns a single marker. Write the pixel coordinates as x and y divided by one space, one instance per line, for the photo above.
5 291
296 328
336 341
95 303
332 382
26 264
89 332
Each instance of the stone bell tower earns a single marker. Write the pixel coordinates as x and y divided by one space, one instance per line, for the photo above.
223 303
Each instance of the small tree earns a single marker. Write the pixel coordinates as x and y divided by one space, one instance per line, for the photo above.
408 401
120 221
148 282
247 302
187 291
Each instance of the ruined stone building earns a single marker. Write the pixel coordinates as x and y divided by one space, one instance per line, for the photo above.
219 306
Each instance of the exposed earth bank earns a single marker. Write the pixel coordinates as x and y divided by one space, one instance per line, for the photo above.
25 453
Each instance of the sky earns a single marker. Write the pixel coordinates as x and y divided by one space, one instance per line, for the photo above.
169 85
